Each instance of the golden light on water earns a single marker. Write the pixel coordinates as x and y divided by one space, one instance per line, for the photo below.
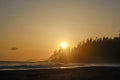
64 45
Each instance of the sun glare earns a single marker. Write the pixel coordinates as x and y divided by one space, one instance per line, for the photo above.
64 45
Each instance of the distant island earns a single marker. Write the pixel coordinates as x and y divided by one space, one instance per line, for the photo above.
99 50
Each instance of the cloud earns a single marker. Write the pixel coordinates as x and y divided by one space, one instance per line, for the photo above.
14 48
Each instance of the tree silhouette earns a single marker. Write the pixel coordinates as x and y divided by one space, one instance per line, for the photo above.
98 50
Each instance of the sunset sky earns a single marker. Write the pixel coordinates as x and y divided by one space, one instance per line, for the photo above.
37 27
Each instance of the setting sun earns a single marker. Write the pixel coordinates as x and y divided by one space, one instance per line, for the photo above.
64 45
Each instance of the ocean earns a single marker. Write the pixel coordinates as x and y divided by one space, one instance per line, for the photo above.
14 65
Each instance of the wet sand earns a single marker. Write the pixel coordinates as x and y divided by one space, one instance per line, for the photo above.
81 73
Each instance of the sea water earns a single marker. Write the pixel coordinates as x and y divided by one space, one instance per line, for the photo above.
14 65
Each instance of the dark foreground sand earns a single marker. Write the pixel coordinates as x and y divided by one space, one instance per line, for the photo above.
84 73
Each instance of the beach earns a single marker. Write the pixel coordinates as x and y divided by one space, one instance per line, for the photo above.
79 73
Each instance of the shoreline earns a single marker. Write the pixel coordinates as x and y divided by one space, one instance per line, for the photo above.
80 73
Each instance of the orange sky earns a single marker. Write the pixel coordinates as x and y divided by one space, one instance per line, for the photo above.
37 28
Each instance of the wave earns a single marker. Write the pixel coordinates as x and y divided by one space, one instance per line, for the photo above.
38 65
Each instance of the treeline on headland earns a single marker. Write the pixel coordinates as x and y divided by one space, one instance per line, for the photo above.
99 50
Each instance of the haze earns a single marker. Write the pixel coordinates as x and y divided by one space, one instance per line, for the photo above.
37 27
